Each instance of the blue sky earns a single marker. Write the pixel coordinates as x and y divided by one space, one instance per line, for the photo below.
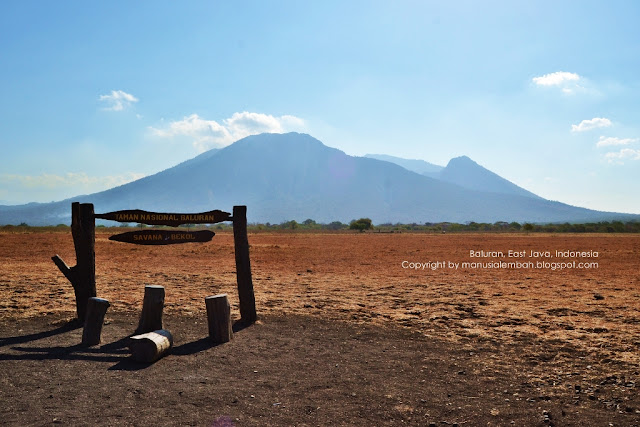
544 93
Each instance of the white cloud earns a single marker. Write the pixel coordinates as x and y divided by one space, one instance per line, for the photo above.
558 78
568 82
596 122
80 180
206 134
118 100
612 140
623 154
18 189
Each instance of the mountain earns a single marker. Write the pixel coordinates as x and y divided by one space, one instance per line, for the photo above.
468 174
417 166
294 176
461 171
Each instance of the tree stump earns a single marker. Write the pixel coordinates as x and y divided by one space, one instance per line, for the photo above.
152 305
96 309
149 347
219 318
246 296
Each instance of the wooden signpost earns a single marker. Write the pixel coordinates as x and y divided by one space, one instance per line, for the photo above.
82 276
171 219
163 237
246 296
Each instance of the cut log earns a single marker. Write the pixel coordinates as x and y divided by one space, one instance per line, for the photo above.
152 305
149 347
246 296
219 318
96 309
83 275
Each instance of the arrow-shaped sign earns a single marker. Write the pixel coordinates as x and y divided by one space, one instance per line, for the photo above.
172 219
163 237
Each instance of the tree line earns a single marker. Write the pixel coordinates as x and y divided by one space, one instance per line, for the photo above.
365 224
502 226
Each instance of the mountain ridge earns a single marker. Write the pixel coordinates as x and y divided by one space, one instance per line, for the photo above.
462 171
295 176
469 174
415 165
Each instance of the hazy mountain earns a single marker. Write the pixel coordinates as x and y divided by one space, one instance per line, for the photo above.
461 171
418 166
294 176
467 173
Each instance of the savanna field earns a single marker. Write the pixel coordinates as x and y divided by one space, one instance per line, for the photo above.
348 334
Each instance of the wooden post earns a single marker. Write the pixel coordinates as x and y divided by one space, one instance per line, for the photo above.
243 266
151 346
96 309
83 275
152 305
219 318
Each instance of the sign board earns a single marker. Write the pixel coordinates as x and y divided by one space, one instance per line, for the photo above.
172 219
163 237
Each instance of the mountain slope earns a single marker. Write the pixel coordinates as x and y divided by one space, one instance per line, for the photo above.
418 166
294 176
461 171
467 173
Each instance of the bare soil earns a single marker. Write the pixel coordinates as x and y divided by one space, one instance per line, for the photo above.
346 334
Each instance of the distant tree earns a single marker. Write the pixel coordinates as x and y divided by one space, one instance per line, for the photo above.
527 227
309 222
501 225
361 224
335 225
618 226
564 228
289 224
515 225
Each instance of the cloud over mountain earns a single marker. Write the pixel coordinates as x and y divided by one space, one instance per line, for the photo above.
207 134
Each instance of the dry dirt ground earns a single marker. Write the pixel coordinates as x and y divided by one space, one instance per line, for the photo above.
346 334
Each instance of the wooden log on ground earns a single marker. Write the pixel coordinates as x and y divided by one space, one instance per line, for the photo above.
246 296
151 346
83 275
219 318
96 309
152 305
